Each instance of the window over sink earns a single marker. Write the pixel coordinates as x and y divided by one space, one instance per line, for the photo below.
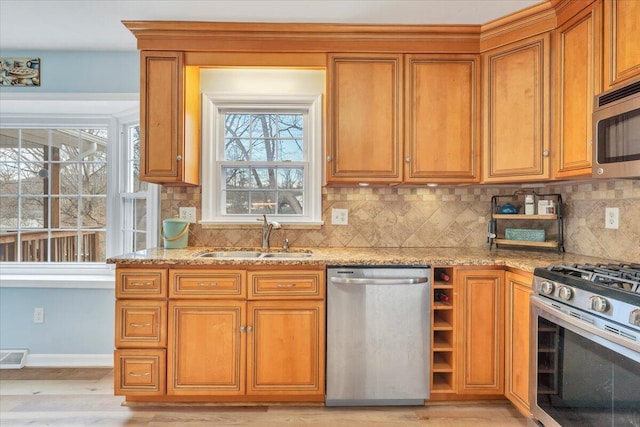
261 155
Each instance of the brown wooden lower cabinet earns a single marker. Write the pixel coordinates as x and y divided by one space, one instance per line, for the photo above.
221 344
480 331
517 360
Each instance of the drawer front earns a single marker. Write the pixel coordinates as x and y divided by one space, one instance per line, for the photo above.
141 283
218 283
141 323
300 284
140 372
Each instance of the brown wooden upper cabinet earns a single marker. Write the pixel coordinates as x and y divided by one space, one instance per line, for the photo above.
516 110
364 130
442 113
621 48
368 139
170 119
577 80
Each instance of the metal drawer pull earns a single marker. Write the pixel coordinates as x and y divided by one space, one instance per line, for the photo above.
286 285
208 284
139 325
145 374
141 283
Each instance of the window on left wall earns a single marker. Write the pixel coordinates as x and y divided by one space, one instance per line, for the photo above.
71 194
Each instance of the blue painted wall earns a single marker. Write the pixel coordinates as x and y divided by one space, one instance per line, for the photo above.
86 72
77 321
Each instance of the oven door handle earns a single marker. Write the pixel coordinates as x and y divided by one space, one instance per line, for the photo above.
586 327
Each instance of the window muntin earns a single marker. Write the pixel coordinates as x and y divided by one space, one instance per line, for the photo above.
53 189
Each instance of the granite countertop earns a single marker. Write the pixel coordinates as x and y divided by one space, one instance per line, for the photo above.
520 259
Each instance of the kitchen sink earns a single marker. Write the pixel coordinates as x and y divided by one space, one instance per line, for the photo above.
254 254
231 254
286 255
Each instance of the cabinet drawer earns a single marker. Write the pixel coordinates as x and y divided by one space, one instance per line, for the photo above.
141 283
141 323
140 372
218 283
295 284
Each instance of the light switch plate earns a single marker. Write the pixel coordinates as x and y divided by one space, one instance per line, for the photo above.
188 214
611 218
340 216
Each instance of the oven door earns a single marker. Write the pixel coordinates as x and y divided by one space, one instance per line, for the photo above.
581 376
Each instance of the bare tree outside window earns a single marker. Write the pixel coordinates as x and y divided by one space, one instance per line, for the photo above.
53 186
259 167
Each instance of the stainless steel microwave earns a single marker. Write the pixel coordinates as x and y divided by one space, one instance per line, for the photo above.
616 132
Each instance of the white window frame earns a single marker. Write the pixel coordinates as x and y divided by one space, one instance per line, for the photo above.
213 107
126 198
93 275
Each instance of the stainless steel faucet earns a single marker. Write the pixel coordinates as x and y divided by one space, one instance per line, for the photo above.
267 226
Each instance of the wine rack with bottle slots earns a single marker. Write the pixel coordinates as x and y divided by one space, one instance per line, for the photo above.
442 331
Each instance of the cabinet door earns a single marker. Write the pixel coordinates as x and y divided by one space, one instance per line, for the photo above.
517 339
364 120
516 111
481 343
206 351
577 81
621 48
286 348
442 116
170 115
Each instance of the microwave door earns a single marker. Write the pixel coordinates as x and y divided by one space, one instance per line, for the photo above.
619 138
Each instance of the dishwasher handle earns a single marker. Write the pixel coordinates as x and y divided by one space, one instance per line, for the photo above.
370 281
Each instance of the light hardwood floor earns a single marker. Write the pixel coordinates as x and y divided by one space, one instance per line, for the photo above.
84 397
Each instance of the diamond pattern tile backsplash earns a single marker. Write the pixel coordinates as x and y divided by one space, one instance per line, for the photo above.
437 217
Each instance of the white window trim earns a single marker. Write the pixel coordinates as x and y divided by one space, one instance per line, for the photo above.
97 275
212 104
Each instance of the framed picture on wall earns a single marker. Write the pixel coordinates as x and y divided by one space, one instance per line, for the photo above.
20 71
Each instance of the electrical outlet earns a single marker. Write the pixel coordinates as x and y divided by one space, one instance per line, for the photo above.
340 216
611 218
188 214
38 315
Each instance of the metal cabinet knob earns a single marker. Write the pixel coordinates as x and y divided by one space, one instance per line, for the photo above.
249 328
178 157
407 159
329 158
545 153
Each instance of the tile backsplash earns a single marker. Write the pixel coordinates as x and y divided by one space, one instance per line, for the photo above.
445 216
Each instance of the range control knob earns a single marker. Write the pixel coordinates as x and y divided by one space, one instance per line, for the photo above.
546 288
565 293
599 304
634 317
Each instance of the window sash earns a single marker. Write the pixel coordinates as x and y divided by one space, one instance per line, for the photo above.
215 107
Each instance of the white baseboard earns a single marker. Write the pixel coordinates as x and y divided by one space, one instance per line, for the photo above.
69 360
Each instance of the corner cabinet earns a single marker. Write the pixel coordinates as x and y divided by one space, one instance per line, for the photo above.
517 329
577 51
480 327
516 111
364 120
621 53
169 119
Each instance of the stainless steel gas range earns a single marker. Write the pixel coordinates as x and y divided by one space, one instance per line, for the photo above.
585 345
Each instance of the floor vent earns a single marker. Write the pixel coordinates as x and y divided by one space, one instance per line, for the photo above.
12 359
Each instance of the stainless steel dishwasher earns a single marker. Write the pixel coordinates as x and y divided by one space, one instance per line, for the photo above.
378 335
